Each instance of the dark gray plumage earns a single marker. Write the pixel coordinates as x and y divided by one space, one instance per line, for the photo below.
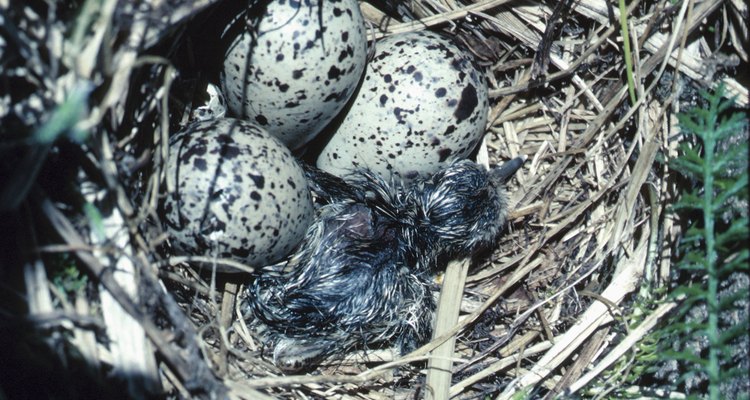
362 276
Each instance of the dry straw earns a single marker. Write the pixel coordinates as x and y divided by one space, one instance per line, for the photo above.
541 314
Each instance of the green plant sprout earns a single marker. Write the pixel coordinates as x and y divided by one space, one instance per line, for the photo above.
65 117
710 253
713 155
627 53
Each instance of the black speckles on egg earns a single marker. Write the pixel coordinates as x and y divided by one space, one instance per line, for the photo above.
426 99
334 73
193 153
283 87
258 180
242 195
444 154
467 103
381 55
200 164
343 55
312 57
229 152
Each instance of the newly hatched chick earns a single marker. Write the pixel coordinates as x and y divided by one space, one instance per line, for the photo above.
362 276
462 208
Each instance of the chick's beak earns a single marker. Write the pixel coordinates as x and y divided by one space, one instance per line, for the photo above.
503 172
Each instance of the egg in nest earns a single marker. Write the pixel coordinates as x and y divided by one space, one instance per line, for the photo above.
297 70
239 193
423 104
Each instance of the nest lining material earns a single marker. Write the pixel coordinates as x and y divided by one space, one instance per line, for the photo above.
588 207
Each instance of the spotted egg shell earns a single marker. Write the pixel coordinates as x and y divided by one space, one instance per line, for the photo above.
239 193
423 103
297 79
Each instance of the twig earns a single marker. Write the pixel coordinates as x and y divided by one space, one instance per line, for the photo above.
628 342
439 365
596 315
498 366
198 376
437 19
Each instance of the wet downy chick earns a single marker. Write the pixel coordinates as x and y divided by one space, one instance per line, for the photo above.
362 277
462 209
348 285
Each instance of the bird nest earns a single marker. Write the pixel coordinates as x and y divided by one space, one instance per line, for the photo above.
93 89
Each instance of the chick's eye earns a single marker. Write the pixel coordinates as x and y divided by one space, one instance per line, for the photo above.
292 364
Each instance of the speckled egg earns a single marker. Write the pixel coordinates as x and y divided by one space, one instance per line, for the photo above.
422 104
239 193
297 79
213 106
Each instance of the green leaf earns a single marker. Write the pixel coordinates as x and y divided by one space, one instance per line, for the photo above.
694 259
693 293
95 220
686 356
706 134
690 202
694 234
730 126
734 332
698 269
727 301
686 328
736 372
737 231
688 124
722 105
739 185
64 119
738 262
724 159
690 153
689 163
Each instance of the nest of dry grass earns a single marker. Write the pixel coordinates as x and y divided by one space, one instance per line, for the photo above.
545 314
